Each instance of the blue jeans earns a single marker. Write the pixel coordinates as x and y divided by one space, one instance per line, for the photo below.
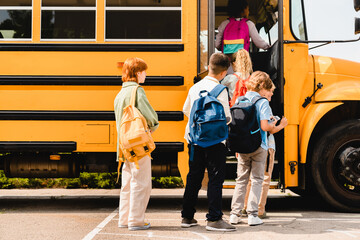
214 159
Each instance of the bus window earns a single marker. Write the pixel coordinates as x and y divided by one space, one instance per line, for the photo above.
203 36
144 3
64 20
264 36
297 19
274 33
271 37
15 19
143 20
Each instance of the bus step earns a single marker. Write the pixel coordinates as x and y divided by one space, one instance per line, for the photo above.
274 185
230 184
231 167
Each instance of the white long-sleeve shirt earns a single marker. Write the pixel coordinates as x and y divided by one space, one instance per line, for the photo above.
208 83
253 33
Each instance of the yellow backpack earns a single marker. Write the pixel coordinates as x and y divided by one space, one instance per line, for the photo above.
135 137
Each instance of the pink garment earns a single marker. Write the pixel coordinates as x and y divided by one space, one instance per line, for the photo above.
254 35
236 30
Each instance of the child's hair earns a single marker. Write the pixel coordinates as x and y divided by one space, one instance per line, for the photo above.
259 80
131 67
242 62
236 7
218 63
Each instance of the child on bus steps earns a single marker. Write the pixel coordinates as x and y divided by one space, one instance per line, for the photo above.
236 82
135 182
252 165
269 166
238 10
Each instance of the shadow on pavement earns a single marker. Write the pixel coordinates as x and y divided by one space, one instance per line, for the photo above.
276 204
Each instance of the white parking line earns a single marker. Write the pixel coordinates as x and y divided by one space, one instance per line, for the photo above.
99 227
201 235
163 219
344 232
329 219
148 235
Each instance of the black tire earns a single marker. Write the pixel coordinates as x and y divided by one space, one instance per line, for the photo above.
302 192
327 169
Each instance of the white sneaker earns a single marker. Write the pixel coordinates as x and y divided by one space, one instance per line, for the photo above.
234 219
136 228
253 221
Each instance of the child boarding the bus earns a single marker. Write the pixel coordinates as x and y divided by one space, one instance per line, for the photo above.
235 32
269 166
238 11
213 157
252 165
236 82
136 176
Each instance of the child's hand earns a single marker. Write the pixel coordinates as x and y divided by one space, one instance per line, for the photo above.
274 120
283 122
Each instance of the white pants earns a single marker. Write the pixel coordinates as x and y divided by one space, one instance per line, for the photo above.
135 192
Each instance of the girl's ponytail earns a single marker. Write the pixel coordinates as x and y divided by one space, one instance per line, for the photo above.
242 63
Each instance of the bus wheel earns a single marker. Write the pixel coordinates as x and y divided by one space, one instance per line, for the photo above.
335 166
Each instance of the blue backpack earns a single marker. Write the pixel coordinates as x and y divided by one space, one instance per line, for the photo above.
207 119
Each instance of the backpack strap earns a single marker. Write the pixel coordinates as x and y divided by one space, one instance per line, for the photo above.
133 95
217 90
255 99
243 80
120 161
232 19
118 171
202 92
238 77
240 84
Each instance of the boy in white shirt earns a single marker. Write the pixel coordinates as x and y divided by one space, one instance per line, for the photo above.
213 158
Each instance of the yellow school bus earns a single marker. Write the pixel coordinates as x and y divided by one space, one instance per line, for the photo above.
60 73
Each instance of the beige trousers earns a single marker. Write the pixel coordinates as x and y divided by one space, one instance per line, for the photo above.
265 185
135 192
251 166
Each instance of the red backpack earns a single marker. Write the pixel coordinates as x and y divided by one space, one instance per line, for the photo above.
236 36
240 89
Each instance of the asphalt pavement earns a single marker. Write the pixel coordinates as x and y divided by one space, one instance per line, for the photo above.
87 214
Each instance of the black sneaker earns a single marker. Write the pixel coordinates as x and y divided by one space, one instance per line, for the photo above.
220 225
186 223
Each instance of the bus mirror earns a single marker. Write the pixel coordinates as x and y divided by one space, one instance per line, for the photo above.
357 5
357 25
